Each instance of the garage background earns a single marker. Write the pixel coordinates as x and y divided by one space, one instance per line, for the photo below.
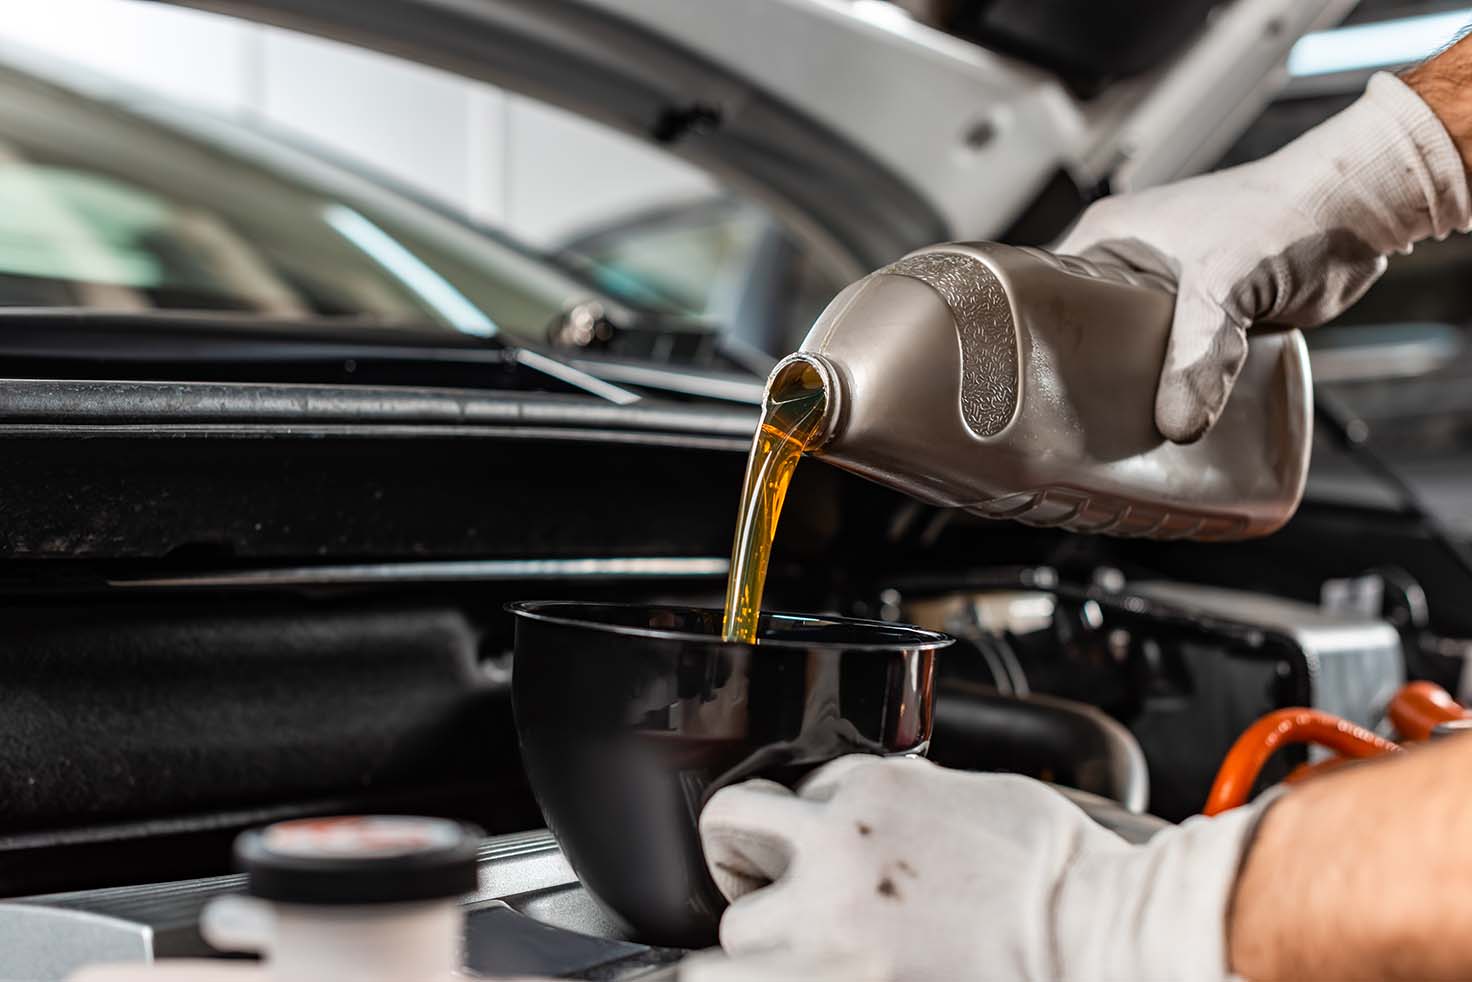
541 173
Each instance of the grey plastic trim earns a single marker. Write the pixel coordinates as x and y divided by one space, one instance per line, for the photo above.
49 936
51 943
45 407
474 570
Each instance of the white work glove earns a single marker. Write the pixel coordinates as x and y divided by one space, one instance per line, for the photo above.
1294 238
945 875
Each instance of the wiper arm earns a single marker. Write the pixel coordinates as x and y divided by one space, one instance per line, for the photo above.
574 376
205 347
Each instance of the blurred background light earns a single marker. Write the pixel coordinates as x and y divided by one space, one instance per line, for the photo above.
1383 44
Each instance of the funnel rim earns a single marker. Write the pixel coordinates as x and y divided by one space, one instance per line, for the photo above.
918 638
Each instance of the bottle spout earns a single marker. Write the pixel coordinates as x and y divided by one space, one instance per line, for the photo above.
805 386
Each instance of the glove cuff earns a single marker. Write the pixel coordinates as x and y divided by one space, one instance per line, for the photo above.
1159 911
1385 169
1445 188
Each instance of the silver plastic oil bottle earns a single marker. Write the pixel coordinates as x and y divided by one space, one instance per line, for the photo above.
1018 384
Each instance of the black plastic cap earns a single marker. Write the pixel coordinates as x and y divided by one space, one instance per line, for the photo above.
359 859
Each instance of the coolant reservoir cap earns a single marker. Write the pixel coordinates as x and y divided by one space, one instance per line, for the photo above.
359 859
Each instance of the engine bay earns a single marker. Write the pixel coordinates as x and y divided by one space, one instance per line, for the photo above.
188 676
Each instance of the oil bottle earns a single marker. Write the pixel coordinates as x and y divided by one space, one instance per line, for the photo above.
1014 383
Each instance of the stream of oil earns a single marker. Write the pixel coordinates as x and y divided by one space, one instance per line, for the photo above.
792 417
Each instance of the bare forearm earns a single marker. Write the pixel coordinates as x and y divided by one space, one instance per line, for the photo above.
1445 83
1363 874
1367 873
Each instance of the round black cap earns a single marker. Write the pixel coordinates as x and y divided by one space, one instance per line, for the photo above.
359 859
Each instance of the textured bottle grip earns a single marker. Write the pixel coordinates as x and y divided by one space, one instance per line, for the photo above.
990 363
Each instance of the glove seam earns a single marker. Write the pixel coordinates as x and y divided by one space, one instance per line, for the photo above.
1054 907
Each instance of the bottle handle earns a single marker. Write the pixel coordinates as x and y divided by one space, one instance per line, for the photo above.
1114 272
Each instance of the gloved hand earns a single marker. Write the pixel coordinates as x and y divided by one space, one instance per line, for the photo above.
946 875
1294 238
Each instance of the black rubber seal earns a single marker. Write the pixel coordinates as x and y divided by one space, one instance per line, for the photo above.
439 871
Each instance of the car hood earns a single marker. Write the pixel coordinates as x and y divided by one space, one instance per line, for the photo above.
869 133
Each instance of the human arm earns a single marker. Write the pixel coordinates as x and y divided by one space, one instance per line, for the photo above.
1297 237
1365 873
1444 83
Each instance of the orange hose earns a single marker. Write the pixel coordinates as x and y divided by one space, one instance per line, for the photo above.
1278 729
1419 706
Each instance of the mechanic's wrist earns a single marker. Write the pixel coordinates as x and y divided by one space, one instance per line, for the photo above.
1157 910
1258 937
1292 915
1445 84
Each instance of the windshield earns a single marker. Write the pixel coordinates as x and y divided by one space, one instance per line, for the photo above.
133 207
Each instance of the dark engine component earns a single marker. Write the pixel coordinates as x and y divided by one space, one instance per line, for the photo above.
1054 739
1186 668
170 729
1213 660
1088 41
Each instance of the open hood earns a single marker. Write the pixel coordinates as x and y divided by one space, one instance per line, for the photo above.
870 133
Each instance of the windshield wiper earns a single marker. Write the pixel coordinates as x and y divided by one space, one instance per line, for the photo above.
84 344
